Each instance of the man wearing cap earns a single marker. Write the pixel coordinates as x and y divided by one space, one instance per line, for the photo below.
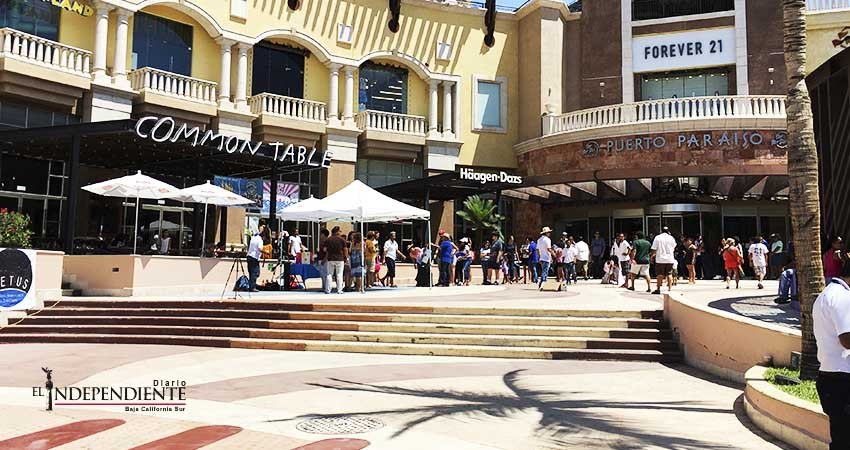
496 249
831 318
545 253
664 251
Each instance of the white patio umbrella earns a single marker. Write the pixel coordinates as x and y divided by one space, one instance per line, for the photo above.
209 194
138 186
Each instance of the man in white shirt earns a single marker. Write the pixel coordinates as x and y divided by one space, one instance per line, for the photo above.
758 259
831 318
255 247
583 257
623 250
295 245
544 250
664 254
390 254
570 257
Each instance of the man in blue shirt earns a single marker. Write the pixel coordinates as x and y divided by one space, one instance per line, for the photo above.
597 255
533 259
446 256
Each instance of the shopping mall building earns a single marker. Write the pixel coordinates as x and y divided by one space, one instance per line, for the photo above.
602 115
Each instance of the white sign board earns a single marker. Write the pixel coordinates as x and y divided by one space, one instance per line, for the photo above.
17 274
685 50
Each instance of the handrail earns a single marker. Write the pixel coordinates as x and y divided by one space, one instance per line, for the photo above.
38 50
761 106
827 5
391 122
281 105
176 85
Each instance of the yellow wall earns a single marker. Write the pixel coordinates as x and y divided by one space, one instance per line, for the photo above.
822 28
76 30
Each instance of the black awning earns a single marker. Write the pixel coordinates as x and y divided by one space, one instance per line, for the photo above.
116 145
444 186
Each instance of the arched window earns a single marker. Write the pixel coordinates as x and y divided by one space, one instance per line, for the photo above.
162 44
33 17
383 88
278 70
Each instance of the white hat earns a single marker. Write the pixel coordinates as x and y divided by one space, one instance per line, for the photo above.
546 230
464 240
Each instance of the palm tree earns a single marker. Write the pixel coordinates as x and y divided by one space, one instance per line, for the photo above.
481 214
803 179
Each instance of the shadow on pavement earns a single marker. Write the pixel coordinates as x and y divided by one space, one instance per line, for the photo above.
563 423
760 308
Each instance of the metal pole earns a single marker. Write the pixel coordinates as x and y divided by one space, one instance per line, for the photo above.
136 226
204 233
69 227
362 260
428 244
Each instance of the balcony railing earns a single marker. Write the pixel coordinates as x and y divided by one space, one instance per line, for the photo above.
765 106
658 9
172 84
44 52
827 5
289 107
391 122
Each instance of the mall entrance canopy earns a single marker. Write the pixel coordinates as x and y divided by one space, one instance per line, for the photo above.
158 146
456 185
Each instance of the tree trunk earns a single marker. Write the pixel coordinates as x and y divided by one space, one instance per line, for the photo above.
803 179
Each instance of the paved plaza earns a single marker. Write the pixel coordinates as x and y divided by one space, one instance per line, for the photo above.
245 398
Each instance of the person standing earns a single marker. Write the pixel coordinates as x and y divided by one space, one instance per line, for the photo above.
583 258
447 255
497 248
597 255
570 257
356 261
295 246
533 259
623 249
545 255
336 253
255 248
369 253
758 259
484 258
511 259
391 252
831 320
663 251
691 260
732 262
834 259
641 249
525 258
777 255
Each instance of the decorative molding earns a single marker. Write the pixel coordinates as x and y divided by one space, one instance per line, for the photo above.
503 104
443 51
345 34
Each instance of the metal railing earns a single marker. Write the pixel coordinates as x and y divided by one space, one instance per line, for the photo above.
44 52
758 106
391 122
827 5
291 107
167 83
658 9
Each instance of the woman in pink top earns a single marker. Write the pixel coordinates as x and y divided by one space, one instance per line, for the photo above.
833 259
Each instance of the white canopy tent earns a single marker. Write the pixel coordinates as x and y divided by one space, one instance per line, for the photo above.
209 194
357 202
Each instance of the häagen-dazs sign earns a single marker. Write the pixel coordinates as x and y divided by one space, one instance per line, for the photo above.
165 129
693 141
484 177
684 50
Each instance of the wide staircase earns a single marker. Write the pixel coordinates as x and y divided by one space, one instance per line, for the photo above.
407 330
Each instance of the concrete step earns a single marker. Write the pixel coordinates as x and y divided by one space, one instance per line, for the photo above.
352 308
354 347
362 317
317 325
355 336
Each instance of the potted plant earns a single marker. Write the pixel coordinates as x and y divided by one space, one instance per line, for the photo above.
15 229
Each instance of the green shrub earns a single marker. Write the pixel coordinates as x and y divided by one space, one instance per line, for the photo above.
806 390
15 229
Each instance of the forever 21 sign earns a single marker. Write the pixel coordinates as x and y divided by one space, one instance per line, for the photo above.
685 50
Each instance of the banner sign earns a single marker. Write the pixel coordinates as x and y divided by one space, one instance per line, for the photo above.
684 50
72 6
252 189
287 194
17 273
485 176
693 141
162 129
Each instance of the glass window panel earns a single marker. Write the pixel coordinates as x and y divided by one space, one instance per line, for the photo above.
651 88
717 84
673 87
383 88
694 85
488 105
33 17
13 114
394 169
162 44
278 70
39 118
24 175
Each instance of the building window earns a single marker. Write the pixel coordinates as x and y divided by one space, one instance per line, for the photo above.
162 44
684 84
383 88
489 106
657 9
19 115
377 172
278 70
33 17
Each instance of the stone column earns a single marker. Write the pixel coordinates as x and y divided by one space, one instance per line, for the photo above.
119 69
348 106
447 110
242 76
742 71
101 34
627 70
456 114
333 104
224 79
433 98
